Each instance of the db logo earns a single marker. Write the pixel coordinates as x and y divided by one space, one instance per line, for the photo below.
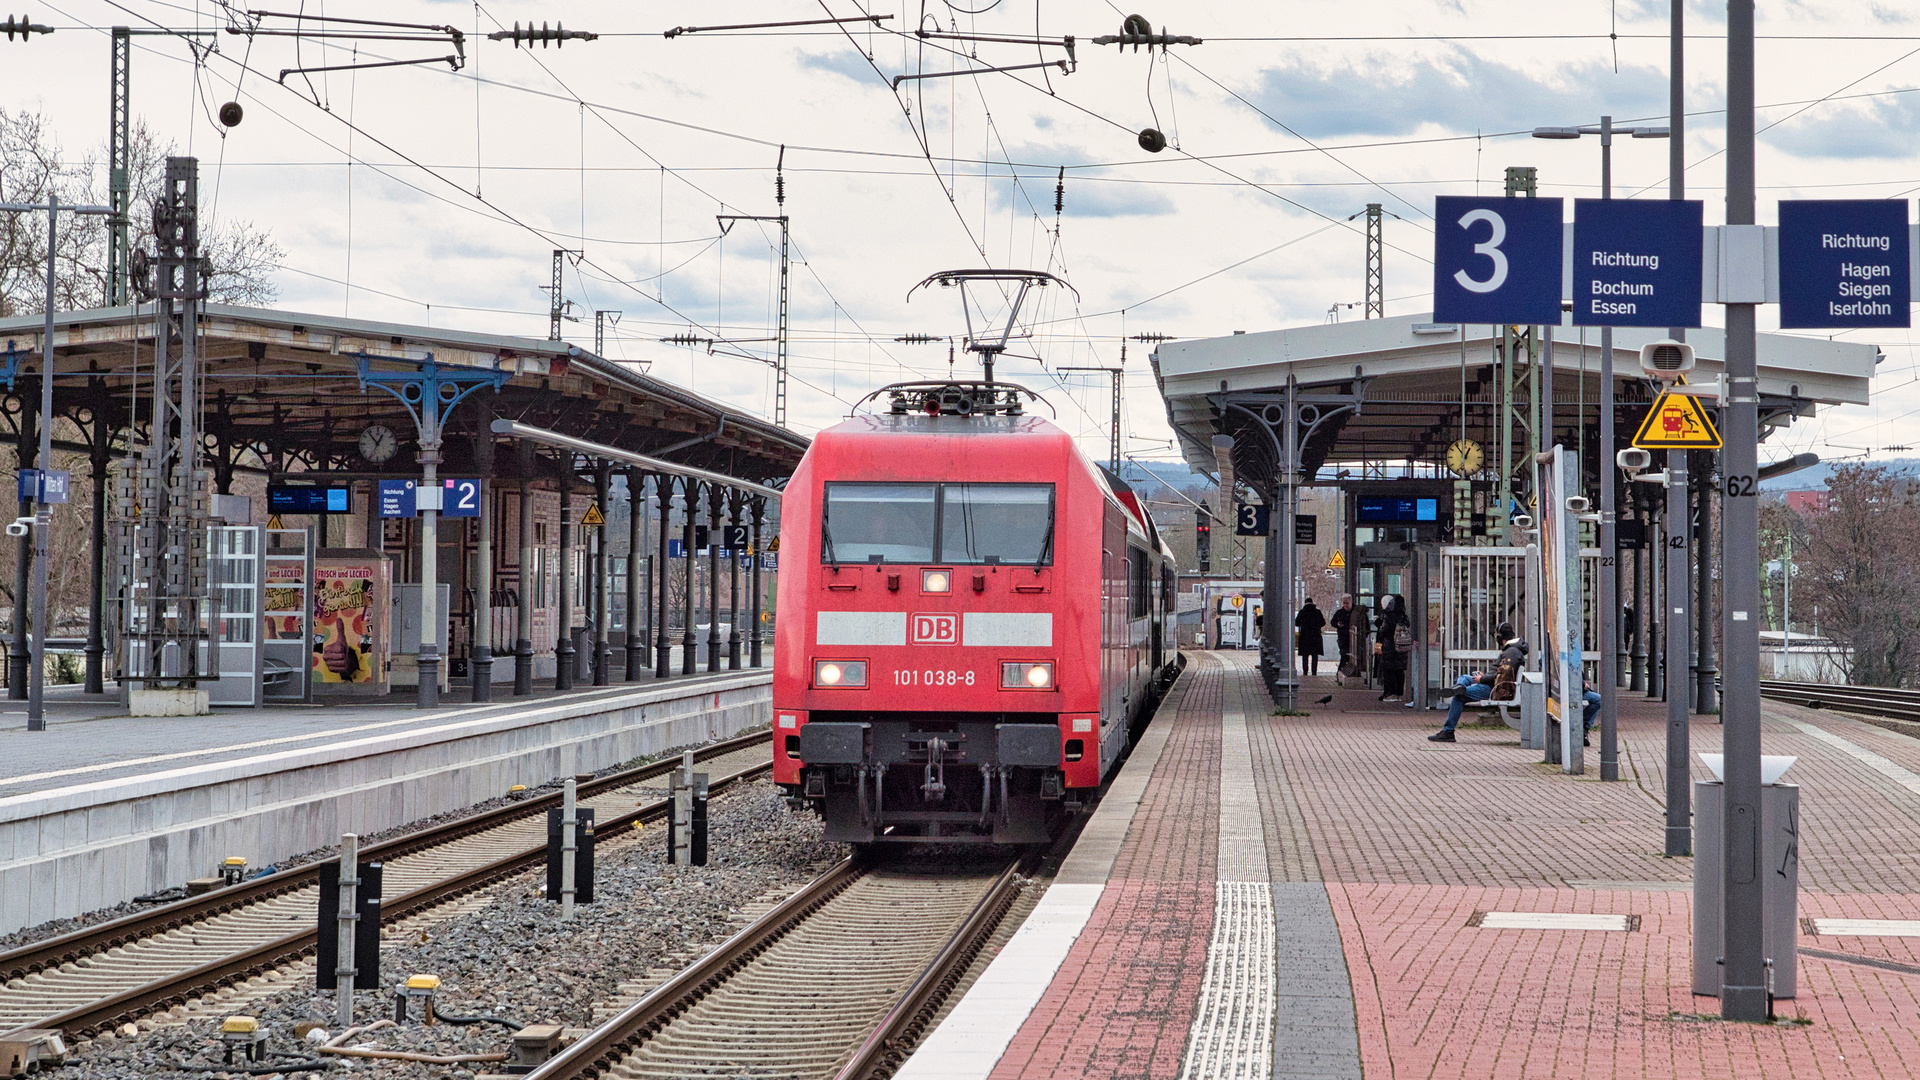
936 630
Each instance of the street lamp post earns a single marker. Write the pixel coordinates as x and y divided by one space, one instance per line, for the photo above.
1606 620
43 510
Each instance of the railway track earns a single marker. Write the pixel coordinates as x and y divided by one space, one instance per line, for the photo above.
107 974
835 983
1893 704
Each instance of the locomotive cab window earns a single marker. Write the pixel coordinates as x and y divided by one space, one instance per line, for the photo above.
891 522
1009 523
946 524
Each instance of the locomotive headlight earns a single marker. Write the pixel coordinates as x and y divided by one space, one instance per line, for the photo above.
1024 675
936 581
840 674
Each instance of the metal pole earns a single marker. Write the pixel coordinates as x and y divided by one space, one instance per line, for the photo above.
714 494
689 644
569 845
1706 674
97 596
602 582
1743 993
19 653
1679 752
636 558
1643 611
43 511
1606 591
430 557
523 617
563 651
759 507
1786 598
662 645
481 668
1280 623
349 900
733 585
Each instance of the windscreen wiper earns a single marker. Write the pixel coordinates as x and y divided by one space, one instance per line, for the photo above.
1046 548
826 537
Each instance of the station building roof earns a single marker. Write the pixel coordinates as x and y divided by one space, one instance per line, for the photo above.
284 385
1423 384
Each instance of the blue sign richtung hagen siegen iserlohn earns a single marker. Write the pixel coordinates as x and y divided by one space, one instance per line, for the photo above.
1636 262
1843 263
1497 260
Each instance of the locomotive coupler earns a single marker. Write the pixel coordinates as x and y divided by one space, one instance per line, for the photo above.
935 789
939 749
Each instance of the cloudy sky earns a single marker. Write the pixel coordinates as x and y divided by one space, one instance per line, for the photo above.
421 194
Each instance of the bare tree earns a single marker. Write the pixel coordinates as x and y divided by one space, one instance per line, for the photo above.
1861 566
33 163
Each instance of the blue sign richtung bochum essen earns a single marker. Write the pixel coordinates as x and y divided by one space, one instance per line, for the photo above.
1636 262
1843 263
1498 260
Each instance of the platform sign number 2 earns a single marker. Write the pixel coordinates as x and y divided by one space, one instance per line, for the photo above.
462 499
1497 260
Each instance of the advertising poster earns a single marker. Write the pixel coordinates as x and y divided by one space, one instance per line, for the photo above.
286 596
350 640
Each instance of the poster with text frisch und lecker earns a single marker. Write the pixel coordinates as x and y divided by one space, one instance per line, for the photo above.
349 613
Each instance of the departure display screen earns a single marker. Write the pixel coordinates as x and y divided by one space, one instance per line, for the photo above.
1391 511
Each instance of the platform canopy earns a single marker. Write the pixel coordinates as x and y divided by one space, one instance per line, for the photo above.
1419 385
281 392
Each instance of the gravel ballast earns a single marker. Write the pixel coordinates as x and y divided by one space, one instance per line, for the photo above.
514 958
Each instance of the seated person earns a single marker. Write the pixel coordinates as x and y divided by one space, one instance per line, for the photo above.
1590 713
1479 685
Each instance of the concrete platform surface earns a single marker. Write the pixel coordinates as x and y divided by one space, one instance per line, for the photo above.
1334 896
122 806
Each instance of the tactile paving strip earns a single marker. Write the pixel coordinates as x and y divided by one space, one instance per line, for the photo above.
1232 1034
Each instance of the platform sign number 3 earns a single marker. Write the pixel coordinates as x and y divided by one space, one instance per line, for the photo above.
1497 260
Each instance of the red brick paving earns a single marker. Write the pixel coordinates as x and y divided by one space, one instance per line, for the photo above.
1414 837
1124 998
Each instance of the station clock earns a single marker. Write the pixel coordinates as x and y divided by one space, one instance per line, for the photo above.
377 443
1465 457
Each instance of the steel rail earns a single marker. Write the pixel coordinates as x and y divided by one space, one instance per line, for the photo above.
180 987
53 952
888 1047
594 1054
1890 702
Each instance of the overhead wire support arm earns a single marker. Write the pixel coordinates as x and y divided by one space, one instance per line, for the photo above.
1065 67
679 30
454 62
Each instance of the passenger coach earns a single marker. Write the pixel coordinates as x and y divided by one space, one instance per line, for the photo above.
980 618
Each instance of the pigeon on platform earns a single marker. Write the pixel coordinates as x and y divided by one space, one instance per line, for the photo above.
1324 700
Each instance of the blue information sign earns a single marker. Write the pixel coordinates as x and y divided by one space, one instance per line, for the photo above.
396 499
1497 260
461 499
47 486
1843 263
676 550
1636 262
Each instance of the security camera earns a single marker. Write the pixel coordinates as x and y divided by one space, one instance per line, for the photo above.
1577 504
1666 360
1634 460
20 526
1522 521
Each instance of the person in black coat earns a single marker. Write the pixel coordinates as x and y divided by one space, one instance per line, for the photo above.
1387 622
1342 623
1308 627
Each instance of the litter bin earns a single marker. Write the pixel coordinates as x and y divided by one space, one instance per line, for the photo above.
1533 710
1779 874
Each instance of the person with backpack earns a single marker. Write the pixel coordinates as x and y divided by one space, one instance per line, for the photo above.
1499 684
1393 645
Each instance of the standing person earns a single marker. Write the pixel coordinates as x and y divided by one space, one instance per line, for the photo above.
1393 641
1342 623
1308 627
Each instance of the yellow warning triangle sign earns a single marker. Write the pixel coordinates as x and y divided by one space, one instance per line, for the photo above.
1677 422
593 518
1338 562
274 522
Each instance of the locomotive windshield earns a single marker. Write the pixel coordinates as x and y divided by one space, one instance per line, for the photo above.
937 523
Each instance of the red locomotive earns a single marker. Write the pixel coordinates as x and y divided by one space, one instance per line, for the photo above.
974 619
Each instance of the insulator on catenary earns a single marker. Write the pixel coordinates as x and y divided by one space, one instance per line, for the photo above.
23 27
557 36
